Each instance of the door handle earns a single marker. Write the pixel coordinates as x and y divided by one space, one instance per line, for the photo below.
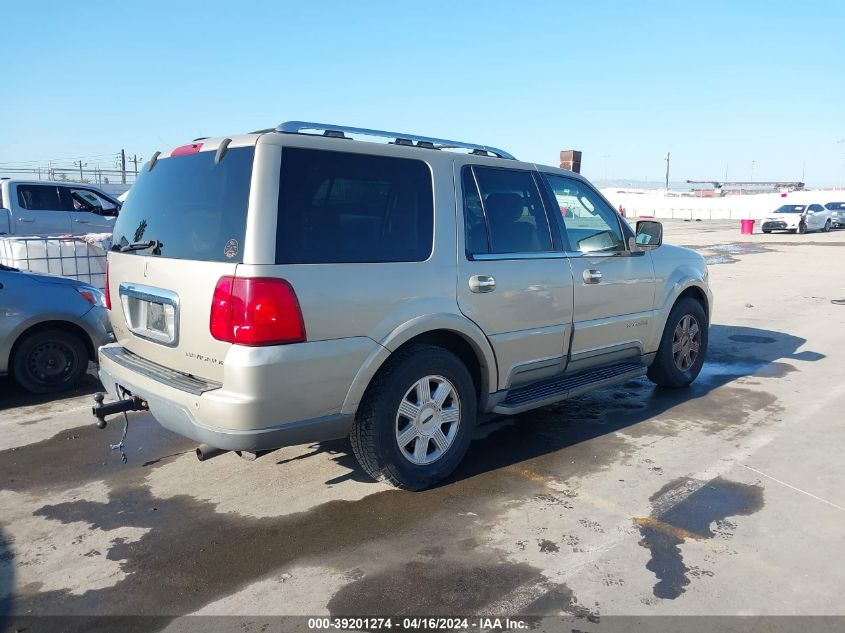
81 221
482 283
26 220
592 276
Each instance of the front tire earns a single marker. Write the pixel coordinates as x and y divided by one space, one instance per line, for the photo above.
802 227
683 346
826 228
49 361
417 418
767 231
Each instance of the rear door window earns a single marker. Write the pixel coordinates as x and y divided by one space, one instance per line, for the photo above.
194 208
342 207
39 198
503 212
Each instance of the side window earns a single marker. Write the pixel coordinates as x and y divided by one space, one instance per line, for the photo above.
816 208
39 198
339 207
511 210
90 201
591 224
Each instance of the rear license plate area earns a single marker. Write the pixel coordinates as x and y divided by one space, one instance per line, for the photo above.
151 313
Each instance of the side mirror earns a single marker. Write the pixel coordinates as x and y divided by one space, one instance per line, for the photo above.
649 234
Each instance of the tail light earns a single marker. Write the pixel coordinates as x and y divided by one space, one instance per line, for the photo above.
106 291
255 311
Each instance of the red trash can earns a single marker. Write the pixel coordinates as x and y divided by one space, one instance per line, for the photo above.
747 227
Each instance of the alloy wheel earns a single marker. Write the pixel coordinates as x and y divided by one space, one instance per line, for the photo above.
427 420
686 342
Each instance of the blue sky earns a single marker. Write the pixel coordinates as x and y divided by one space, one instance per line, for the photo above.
715 83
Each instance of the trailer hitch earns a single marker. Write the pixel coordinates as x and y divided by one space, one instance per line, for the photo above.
130 403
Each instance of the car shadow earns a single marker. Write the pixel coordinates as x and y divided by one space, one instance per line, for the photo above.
735 352
13 395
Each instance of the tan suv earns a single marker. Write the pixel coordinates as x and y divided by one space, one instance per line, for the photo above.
299 284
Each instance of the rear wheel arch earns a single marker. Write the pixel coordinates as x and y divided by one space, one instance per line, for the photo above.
460 347
472 349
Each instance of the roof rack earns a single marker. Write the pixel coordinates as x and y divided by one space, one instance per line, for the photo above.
398 138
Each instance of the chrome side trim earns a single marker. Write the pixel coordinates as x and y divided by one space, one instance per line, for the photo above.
505 256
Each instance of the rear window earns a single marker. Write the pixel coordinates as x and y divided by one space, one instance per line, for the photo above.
339 207
195 208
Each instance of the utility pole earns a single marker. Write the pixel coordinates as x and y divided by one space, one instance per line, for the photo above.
123 167
668 156
726 172
753 162
135 160
80 171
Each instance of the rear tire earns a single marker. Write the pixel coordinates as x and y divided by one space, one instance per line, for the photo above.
49 361
767 231
826 228
401 434
683 346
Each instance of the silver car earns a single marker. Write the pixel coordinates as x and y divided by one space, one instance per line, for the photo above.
299 284
837 213
50 327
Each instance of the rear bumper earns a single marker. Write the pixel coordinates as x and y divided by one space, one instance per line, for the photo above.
190 412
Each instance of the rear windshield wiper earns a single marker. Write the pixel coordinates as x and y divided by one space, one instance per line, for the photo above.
142 246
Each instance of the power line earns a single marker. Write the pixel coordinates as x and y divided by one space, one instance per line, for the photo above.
47 160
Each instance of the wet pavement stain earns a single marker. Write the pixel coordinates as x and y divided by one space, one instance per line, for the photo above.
666 530
441 588
80 455
724 253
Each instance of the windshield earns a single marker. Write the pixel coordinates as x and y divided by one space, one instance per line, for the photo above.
189 207
792 208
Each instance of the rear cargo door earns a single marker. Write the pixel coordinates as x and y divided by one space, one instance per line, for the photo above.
181 229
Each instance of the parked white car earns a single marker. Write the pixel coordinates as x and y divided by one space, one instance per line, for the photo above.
798 218
39 207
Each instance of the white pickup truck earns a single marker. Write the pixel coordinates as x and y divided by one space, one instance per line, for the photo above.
40 207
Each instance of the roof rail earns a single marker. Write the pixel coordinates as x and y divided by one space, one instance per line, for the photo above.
398 138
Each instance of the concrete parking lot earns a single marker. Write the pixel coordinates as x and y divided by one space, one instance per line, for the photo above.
725 498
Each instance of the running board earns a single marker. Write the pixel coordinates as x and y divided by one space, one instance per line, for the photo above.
563 387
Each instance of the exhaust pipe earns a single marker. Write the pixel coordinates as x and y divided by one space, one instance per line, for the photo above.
204 452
